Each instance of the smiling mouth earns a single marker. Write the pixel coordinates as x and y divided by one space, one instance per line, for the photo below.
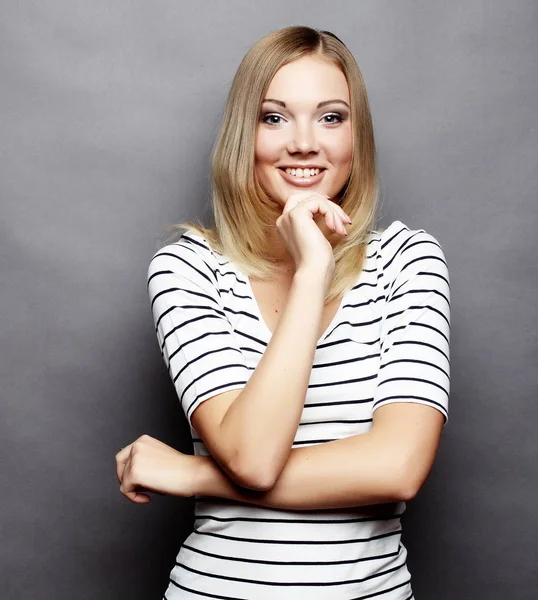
302 173
302 177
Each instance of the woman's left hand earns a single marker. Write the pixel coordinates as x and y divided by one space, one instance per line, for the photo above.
150 465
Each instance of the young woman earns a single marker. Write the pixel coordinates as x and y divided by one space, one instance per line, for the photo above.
309 350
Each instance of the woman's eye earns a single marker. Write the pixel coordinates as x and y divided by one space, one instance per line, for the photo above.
333 118
276 119
272 119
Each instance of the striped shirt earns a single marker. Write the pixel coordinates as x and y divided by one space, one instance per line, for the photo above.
388 342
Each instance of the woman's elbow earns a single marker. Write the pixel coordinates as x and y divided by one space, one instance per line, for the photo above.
406 491
251 476
409 483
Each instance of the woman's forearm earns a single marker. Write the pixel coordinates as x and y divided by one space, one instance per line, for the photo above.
354 471
260 425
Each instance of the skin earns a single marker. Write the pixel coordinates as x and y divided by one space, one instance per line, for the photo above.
403 435
303 122
301 133
292 130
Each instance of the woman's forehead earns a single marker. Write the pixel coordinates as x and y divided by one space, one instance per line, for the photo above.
308 79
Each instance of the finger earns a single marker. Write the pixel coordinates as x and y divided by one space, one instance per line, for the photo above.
299 197
333 218
134 495
130 489
137 497
124 452
342 218
119 471
339 209
319 206
345 217
330 219
121 459
292 202
311 206
338 223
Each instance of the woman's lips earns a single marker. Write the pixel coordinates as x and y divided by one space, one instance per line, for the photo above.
302 181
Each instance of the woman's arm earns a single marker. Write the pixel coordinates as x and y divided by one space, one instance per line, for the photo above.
247 420
410 403
250 432
387 464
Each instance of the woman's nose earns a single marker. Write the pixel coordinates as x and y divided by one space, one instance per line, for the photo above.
303 139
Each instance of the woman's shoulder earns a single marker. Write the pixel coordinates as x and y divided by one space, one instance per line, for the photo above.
190 252
398 238
400 250
398 232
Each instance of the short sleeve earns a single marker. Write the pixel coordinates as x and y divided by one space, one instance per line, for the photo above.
196 338
415 334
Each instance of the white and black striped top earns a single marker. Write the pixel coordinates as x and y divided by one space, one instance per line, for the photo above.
388 342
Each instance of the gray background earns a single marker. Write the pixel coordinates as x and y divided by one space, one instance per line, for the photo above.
108 113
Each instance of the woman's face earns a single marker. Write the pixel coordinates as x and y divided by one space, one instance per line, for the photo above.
305 122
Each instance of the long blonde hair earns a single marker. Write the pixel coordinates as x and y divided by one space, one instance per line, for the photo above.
244 216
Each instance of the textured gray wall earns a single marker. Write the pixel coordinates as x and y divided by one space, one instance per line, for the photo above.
108 112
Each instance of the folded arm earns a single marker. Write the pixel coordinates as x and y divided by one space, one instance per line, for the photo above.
387 464
249 430
247 420
392 460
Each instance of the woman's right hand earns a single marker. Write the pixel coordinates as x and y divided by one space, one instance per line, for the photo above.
305 241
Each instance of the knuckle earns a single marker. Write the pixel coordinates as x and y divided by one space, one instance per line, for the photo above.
136 449
143 439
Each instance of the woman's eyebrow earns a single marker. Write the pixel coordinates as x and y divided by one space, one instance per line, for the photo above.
320 105
335 101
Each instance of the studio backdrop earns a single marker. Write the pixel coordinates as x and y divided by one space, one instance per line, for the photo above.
108 115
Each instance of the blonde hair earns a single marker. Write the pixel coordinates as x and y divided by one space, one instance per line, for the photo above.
244 216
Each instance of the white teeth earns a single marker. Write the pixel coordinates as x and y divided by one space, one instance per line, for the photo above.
302 172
